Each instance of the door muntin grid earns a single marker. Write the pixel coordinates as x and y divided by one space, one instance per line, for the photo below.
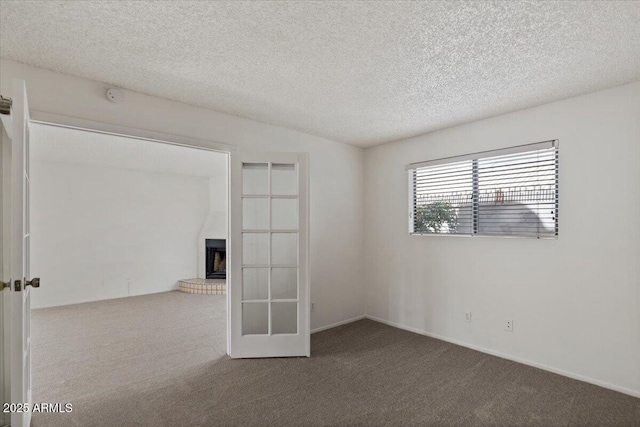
270 247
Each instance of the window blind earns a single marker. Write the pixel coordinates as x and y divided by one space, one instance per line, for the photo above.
508 192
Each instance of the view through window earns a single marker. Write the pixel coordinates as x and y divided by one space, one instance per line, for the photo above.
512 192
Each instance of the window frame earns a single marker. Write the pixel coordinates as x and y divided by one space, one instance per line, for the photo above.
475 214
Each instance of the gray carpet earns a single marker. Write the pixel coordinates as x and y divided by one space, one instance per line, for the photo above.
158 360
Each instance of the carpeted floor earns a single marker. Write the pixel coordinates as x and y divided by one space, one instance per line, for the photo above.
158 360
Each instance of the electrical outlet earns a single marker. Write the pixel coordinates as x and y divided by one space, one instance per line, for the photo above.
508 326
467 316
313 306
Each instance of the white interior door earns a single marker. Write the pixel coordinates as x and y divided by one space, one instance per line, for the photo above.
269 230
20 298
5 266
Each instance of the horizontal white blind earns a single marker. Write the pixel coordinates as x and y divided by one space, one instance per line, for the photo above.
512 194
443 196
491 153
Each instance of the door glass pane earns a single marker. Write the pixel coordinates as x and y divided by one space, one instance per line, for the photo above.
284 283
284 214
255 283
255 318
284 248
284 317
255 214
255 248
255 178
284 179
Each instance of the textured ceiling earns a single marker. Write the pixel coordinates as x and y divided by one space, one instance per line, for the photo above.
357 72
56 144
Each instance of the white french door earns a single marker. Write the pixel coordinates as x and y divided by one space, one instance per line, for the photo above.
20 341
268 289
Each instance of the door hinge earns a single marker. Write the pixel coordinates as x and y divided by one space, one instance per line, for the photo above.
5 105
17 285
5 284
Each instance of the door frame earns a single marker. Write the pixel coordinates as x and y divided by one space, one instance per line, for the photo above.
5 264
69 122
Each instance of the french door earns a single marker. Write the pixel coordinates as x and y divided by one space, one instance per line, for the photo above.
269 296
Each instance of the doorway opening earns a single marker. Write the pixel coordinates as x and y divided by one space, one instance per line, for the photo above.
117 224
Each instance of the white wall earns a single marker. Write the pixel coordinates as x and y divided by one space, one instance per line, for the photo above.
336 170
101 232
575 301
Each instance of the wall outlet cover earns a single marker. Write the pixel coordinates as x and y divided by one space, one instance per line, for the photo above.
508 326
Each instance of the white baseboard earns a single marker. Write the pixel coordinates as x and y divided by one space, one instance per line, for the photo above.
333 325
630 392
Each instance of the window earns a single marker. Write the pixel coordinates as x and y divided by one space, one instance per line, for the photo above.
509 192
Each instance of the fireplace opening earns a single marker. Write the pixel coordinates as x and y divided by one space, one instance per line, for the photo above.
216 258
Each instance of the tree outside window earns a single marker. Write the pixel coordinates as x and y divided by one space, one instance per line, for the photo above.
436 217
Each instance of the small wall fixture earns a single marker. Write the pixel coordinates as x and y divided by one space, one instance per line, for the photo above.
114 95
